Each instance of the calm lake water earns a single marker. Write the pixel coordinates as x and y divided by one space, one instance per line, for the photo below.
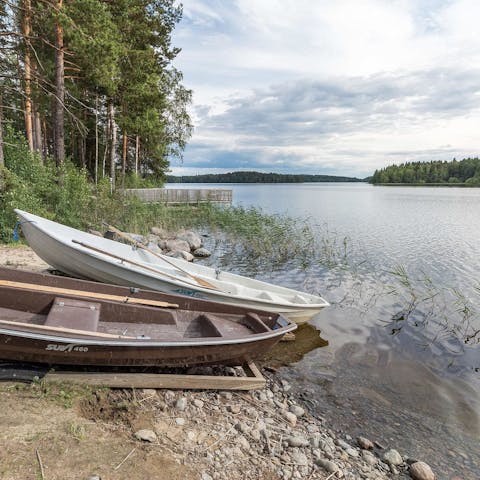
403 361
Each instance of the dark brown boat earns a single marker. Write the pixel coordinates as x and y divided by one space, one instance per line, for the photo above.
64 321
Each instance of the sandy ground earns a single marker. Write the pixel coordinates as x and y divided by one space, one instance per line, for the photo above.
21 257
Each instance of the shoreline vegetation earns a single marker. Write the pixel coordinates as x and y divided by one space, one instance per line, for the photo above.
465 172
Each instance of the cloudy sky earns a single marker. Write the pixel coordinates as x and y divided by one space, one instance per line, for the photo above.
336 87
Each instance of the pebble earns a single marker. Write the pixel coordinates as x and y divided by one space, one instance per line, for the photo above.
290 417
295 441
181 404
94 477
327 465
180 421
234 409
243 443
392 457
202 252
369 458
206 476
365 443
421 471
352 452
299 458
146 435
198 403
297 411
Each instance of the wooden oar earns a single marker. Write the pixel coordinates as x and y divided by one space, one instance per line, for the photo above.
64 330
133 262
141 245
82 293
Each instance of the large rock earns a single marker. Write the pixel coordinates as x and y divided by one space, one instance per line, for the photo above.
421 471
159 232
192 238
365 443
297 441
392 457
177 245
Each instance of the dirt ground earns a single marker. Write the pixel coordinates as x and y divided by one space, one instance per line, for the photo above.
44 430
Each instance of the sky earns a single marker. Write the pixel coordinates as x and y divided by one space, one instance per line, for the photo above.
336 87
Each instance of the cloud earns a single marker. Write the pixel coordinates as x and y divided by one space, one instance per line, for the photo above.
340 86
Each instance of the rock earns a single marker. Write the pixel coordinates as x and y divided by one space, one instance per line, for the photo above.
297 411
242 427
181 404
191 435
421 471
365 443
369 458
159 232
149 392
243 443
146 435
255 434
342 444
234 409
299 458
181 254
315 440
286 386
327 465
206 476
290 417
153 238
180 421
191 238
174 245
297 441
392 457
94 477
198 403
169 396
202 252
352 452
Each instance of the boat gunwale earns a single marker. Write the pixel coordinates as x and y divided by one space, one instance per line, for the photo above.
184 342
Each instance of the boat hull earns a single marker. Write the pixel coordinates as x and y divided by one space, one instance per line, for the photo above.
15 346
60 251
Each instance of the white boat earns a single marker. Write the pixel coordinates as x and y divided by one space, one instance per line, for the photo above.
88 256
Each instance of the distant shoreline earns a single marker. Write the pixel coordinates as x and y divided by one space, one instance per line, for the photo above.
424 185
259 177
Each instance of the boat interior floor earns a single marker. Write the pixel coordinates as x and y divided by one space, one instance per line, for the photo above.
132 321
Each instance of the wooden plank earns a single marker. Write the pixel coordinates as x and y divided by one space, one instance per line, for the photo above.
48 328
81 293
162 380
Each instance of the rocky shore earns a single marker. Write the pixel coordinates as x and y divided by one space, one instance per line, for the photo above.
206 435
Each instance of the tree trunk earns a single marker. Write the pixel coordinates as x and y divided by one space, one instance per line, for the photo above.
26 31
2 159
37 130
96 139
124 153
137 152
59 118
113 140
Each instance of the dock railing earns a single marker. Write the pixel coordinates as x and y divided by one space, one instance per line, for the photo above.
179 196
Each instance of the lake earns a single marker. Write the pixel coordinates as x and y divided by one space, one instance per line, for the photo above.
403 357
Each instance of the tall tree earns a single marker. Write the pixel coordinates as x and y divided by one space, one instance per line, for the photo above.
59 117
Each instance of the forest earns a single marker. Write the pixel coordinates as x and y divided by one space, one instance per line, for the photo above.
466 171
257 177
92 82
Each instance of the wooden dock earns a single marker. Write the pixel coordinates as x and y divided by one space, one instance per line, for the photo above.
181 196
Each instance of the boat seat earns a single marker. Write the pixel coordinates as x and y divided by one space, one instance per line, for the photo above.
255 323
76 314
204 325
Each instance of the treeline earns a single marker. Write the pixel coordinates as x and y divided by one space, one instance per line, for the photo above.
93 81
257 177
465 171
